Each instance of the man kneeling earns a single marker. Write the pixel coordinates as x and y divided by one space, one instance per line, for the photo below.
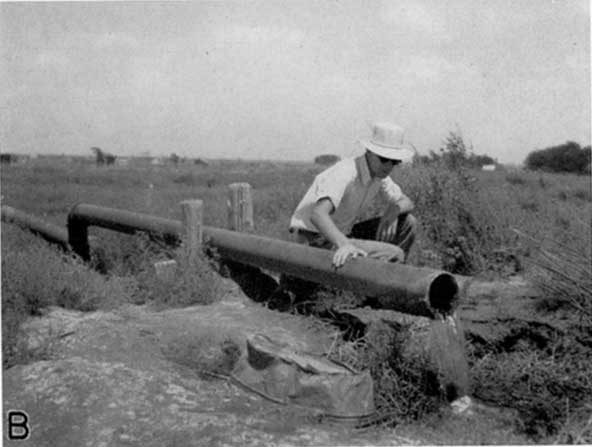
327 215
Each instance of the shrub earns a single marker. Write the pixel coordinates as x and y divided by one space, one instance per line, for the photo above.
127 255
194 281
327 159
563 272
583 194
35 275
515 179
455 154
568 157
453 217
405 389
548 388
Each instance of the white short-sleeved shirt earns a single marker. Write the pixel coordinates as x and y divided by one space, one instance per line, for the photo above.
351 190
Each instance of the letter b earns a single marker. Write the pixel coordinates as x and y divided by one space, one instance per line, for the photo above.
18 427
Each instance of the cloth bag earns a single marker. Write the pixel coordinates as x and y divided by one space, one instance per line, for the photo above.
283 375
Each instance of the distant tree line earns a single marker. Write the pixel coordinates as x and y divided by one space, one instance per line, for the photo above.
567 157
327 159
8 158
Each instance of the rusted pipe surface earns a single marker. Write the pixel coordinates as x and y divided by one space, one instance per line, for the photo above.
405 288
122 220
51 233
418 291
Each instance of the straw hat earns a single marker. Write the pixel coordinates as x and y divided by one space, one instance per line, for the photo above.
388 141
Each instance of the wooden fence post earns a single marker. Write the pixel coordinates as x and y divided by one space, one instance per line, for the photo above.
192 227
165 270
240 207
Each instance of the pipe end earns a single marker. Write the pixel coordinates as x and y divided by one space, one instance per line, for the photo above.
443 294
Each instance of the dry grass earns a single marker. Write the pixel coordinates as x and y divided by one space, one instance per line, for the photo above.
35 275
466 220
563 271
405 384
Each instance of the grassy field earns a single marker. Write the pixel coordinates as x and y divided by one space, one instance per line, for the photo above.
488 224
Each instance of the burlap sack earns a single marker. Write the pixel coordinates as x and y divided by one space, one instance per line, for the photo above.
284 375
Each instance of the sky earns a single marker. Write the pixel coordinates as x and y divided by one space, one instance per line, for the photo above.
290 80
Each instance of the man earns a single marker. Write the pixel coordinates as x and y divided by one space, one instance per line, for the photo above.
327 214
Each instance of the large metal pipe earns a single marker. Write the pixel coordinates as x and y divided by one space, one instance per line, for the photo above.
50 232
413 290
83 215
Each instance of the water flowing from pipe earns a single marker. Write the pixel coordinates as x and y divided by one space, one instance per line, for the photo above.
446 348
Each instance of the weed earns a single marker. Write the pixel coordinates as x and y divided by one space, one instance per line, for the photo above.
563 271
529 205
454 218
514 178
405 386
583 194
194 281
35 275
540 385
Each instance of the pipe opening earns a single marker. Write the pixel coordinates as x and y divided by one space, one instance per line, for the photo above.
443 293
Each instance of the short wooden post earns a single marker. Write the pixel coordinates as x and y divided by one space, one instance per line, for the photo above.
240 207
165 270
192 227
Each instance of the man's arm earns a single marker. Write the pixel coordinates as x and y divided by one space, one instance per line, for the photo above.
405 205
321 218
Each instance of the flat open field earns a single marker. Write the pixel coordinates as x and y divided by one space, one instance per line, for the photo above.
544 206
492 225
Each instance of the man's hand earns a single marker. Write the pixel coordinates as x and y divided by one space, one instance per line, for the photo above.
387 229
399 255
346 251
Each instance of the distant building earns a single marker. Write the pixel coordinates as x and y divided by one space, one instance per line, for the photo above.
488 167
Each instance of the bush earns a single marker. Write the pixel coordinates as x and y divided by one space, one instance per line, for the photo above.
515 179
35 276
405 388
455 154
193 281
563 272
454 220
549 389
327 159
568 157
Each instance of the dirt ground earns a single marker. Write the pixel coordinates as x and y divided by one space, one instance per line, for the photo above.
136 377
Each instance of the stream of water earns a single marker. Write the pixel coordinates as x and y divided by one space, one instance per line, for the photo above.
446 347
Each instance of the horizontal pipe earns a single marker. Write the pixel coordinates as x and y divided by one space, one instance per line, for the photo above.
50 232
401 287
413 290
122 220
